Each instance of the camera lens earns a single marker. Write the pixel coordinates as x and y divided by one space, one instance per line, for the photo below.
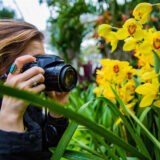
68 78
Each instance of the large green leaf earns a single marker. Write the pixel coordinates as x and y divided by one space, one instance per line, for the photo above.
53 106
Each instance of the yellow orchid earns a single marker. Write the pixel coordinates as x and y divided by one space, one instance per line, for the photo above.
144 59
129 71
130 44
117 74
126 91
156 41
100 76
106 32
113 39
142 12
150 93
151 42
157 103
117 71
145 47
108 93
148 76
130 28
145 68
114 73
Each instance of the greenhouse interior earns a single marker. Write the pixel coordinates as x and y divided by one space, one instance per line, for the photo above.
80 79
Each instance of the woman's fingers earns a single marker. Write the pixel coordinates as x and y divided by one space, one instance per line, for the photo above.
33 84
30 73
20 61
30 79
34 80
18 64
20 78
37 89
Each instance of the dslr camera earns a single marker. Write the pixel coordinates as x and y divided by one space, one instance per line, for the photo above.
58 75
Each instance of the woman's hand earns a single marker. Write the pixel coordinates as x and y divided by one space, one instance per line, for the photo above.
59 97
12 109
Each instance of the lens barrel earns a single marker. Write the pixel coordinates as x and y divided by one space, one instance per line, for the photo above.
68 78
61 78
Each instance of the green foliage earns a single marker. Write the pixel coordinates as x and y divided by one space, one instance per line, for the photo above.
6 14
106 135
67 31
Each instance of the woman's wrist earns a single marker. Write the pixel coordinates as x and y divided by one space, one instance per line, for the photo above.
11 122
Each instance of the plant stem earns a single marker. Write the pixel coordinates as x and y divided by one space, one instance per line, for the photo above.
115 28
157 4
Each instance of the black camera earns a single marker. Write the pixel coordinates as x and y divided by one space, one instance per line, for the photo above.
58 75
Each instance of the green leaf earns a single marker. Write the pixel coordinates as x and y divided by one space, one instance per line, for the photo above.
65 139
132 158
142 116
158 124
121 153
123 106
107 116
135 137
137 81
75 155
108 148
84 147
157 153
148 134
156 61
55 107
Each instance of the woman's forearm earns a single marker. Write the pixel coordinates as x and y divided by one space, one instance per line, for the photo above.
11 122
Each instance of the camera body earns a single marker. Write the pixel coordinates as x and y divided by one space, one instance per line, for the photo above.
58 75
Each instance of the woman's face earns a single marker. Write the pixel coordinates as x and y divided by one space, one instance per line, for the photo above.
35 47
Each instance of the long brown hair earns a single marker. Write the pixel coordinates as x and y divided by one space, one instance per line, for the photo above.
14 37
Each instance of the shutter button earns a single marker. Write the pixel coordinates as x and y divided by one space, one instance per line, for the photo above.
32 137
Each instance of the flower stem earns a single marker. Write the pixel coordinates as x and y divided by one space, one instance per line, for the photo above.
156 62
115 28
157 4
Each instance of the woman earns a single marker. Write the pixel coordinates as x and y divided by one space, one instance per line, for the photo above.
25 133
